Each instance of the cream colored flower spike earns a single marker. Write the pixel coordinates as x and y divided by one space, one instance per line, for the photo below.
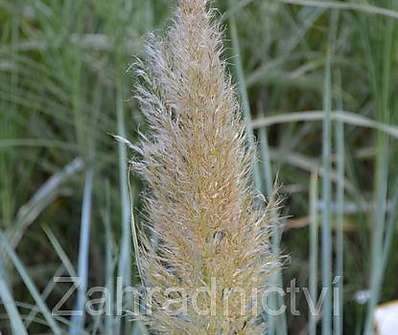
208 259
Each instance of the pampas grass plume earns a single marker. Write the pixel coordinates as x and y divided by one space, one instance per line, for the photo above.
200 204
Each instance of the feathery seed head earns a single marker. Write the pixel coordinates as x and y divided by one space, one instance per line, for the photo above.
200 205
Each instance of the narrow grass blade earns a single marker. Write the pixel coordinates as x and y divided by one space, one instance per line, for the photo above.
134 232
60 252
124 265
6 297
124 271
52 324
314 242
243 93
342 5
139 327
77 322
382 93
266 161
342 116
388 239
340 167
390 231
32 142
378 228
109 260
326 198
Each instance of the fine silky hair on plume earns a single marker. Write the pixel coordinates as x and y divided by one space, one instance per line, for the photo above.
201 208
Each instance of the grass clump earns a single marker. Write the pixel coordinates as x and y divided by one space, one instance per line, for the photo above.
64 86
